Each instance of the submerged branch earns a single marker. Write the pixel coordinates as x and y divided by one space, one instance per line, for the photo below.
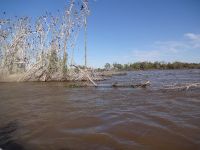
182 87
141 85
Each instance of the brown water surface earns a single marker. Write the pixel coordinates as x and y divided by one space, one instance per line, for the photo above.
49 116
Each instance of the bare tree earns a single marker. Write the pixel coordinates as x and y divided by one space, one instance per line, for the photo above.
40 50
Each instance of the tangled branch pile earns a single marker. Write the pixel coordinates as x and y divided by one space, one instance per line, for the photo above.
39 51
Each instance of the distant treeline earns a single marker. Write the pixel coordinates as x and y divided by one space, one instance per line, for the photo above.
152 65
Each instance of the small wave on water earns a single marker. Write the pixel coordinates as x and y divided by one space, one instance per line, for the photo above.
50 116
7 140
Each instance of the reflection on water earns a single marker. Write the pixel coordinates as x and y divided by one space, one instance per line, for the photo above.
50 116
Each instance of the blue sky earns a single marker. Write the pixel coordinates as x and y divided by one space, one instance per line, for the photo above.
126 31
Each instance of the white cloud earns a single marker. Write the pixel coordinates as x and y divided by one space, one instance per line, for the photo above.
192 36
182 50
194 39
170 46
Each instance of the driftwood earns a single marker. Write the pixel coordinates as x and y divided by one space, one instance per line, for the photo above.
140 85
115 85
182 87
84 73
112 73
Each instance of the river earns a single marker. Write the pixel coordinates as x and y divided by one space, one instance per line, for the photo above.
50 116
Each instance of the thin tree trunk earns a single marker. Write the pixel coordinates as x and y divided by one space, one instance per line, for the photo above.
85 22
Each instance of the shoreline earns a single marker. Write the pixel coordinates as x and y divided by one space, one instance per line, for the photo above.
96 76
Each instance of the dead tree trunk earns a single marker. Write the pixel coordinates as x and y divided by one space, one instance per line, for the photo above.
86 75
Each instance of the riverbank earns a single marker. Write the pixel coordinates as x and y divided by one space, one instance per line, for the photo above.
145 65
72 75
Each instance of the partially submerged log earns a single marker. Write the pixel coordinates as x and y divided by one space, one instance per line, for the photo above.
139 85
79 84
186 86
112 73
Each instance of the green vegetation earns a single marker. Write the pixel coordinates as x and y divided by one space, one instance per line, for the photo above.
152 65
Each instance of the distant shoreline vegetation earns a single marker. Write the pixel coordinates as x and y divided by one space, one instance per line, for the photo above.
151 66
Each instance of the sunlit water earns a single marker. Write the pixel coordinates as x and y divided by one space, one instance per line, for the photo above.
50 116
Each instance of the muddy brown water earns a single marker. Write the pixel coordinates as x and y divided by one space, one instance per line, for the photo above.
49 116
